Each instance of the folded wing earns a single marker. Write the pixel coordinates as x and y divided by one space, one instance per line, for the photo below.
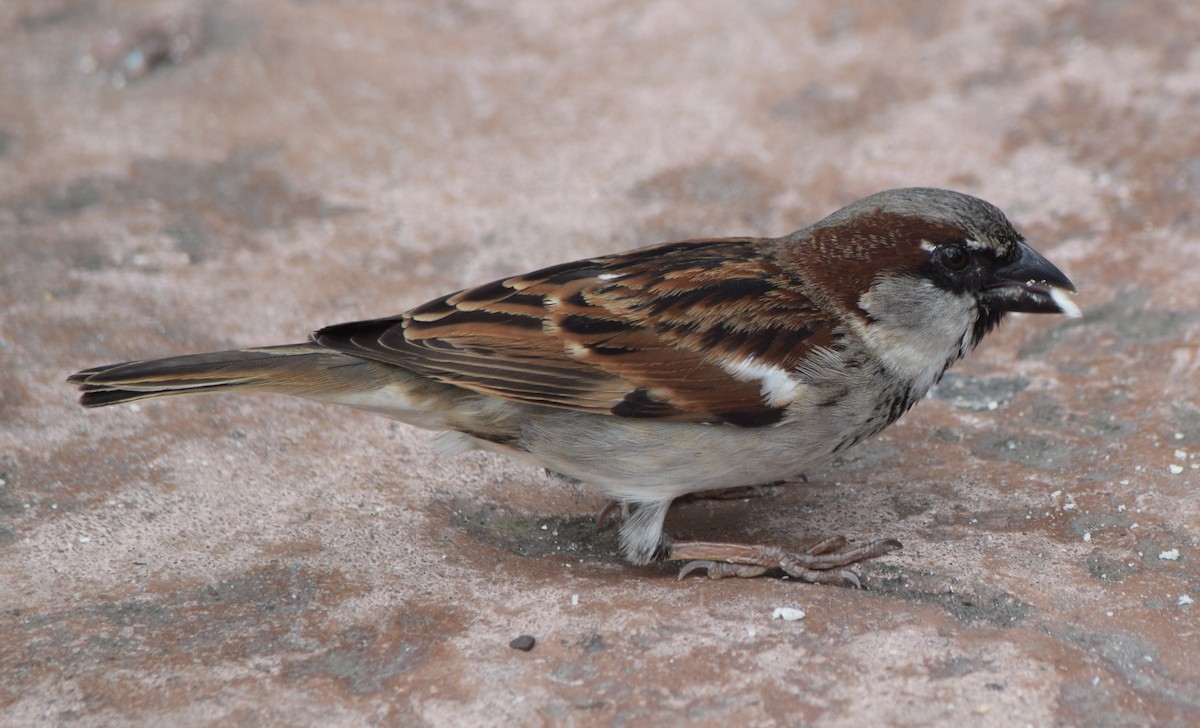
698 331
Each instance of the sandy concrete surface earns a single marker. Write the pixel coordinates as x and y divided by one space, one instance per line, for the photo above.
178 177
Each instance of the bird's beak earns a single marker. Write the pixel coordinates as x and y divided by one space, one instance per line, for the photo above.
1031 284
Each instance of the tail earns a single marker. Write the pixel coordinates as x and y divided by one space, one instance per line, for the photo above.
299 369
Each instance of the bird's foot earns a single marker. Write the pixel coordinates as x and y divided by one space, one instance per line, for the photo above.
824 563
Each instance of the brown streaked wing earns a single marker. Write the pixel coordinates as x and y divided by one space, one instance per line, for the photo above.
637 334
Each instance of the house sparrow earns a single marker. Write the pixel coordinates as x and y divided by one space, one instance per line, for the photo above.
674 368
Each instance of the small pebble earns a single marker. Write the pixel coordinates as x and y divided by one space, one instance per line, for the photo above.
524 643
787 614
1172 555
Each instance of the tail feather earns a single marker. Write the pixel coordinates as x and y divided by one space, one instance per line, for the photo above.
292 369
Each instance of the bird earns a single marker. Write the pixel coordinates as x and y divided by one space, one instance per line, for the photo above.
675 368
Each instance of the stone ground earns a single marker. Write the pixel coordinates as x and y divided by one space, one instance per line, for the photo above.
181 177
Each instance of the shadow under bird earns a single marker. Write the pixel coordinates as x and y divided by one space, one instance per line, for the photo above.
675 368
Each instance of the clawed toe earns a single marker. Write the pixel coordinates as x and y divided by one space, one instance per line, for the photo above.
606 514
829 545
696 565
721 569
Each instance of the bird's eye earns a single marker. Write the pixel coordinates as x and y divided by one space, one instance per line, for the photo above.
953 257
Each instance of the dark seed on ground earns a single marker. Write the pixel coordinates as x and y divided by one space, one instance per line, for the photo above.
524 643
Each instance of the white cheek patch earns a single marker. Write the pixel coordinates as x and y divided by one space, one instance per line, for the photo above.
915 326
779 388
1065 303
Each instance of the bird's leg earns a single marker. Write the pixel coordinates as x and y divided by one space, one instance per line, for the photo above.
642 539
823 563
